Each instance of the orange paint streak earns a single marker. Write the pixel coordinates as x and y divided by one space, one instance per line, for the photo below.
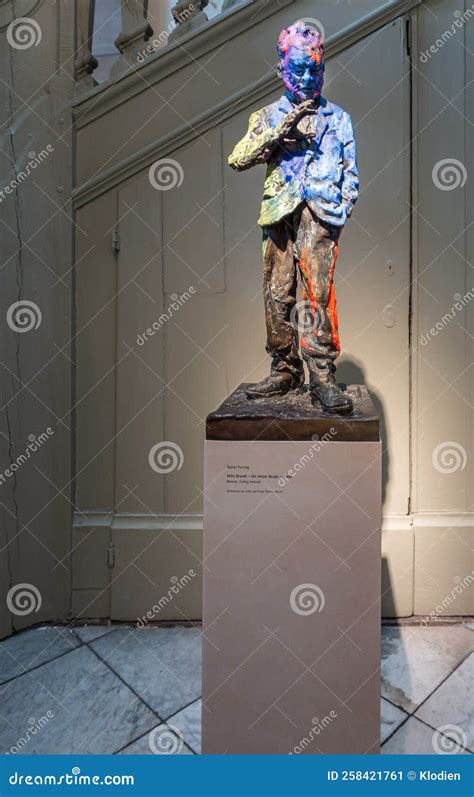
331 310
308 295
331 307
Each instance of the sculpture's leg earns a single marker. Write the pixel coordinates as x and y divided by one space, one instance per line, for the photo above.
316 248
279 296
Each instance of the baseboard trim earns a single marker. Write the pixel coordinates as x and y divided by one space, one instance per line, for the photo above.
140 522
424 559
158 522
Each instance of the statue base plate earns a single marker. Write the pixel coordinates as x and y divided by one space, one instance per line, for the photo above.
292 416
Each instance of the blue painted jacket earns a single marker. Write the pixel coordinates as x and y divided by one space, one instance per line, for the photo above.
321 170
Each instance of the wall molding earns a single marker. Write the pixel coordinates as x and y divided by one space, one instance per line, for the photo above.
194 521
403 592
141 522
443 520
199 125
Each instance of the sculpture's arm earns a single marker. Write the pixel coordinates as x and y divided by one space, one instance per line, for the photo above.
256 146
350 180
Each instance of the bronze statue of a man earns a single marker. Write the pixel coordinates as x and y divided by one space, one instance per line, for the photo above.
310 190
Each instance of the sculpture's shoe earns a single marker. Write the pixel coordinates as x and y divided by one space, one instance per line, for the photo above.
332 399
273 385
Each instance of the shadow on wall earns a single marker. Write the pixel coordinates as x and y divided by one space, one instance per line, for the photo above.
350 370
388 604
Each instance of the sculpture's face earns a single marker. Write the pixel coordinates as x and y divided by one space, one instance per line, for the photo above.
302 73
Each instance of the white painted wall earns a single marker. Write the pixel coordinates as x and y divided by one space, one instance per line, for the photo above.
36 239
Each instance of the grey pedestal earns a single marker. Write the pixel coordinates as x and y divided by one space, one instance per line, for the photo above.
291 617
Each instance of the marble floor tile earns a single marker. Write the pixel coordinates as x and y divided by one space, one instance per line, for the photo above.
391 718
416 738
451 706
160 741
188 723
71 702
162 665
87 633
415 660
82 706
31 648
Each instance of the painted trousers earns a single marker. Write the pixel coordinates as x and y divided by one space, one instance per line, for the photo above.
301 243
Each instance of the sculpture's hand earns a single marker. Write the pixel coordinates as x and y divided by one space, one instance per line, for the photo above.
287 128
296 136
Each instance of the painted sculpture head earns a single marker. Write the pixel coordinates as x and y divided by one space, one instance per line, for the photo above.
301 52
